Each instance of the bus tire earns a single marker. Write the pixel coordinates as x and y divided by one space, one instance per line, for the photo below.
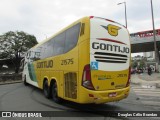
55 93
25 82
46 90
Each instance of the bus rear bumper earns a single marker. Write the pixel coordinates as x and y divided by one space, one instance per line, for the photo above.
99 97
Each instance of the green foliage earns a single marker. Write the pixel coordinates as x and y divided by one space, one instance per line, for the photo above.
134 64
16 43
142 64
13 45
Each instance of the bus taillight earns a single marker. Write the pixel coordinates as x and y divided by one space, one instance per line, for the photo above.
86 78
129 77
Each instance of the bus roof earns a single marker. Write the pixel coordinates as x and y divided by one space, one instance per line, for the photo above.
79 20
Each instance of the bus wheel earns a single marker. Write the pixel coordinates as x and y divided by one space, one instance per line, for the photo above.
55 93
46 90
25 83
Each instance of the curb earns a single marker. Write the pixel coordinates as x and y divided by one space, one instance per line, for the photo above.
11 82
142 82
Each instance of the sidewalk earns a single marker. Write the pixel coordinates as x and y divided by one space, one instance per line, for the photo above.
146 80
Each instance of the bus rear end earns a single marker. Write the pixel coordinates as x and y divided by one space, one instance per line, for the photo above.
107 77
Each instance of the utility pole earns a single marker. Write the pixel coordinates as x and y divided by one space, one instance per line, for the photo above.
125 11
154 37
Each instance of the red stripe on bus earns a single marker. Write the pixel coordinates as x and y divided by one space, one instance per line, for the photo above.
110 40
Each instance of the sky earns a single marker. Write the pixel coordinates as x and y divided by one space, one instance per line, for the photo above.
43 18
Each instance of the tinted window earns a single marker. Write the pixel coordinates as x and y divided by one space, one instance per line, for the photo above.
58 47
49 48
43 51
37 53
60 43
72 35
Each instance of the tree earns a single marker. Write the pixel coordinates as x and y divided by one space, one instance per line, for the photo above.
14 45
143 62
134 64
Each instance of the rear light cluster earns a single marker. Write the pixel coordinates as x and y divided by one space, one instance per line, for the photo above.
86 78
129 77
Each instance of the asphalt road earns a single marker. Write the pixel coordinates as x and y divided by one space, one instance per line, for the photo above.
17 97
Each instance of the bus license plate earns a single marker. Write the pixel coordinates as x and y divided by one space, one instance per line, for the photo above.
114 94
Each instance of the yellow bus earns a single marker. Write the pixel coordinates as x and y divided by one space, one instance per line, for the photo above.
86 62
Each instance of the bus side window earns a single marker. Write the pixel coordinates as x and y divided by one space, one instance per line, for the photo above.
36 54
49 48
43 51
46 50
72 35
58 47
